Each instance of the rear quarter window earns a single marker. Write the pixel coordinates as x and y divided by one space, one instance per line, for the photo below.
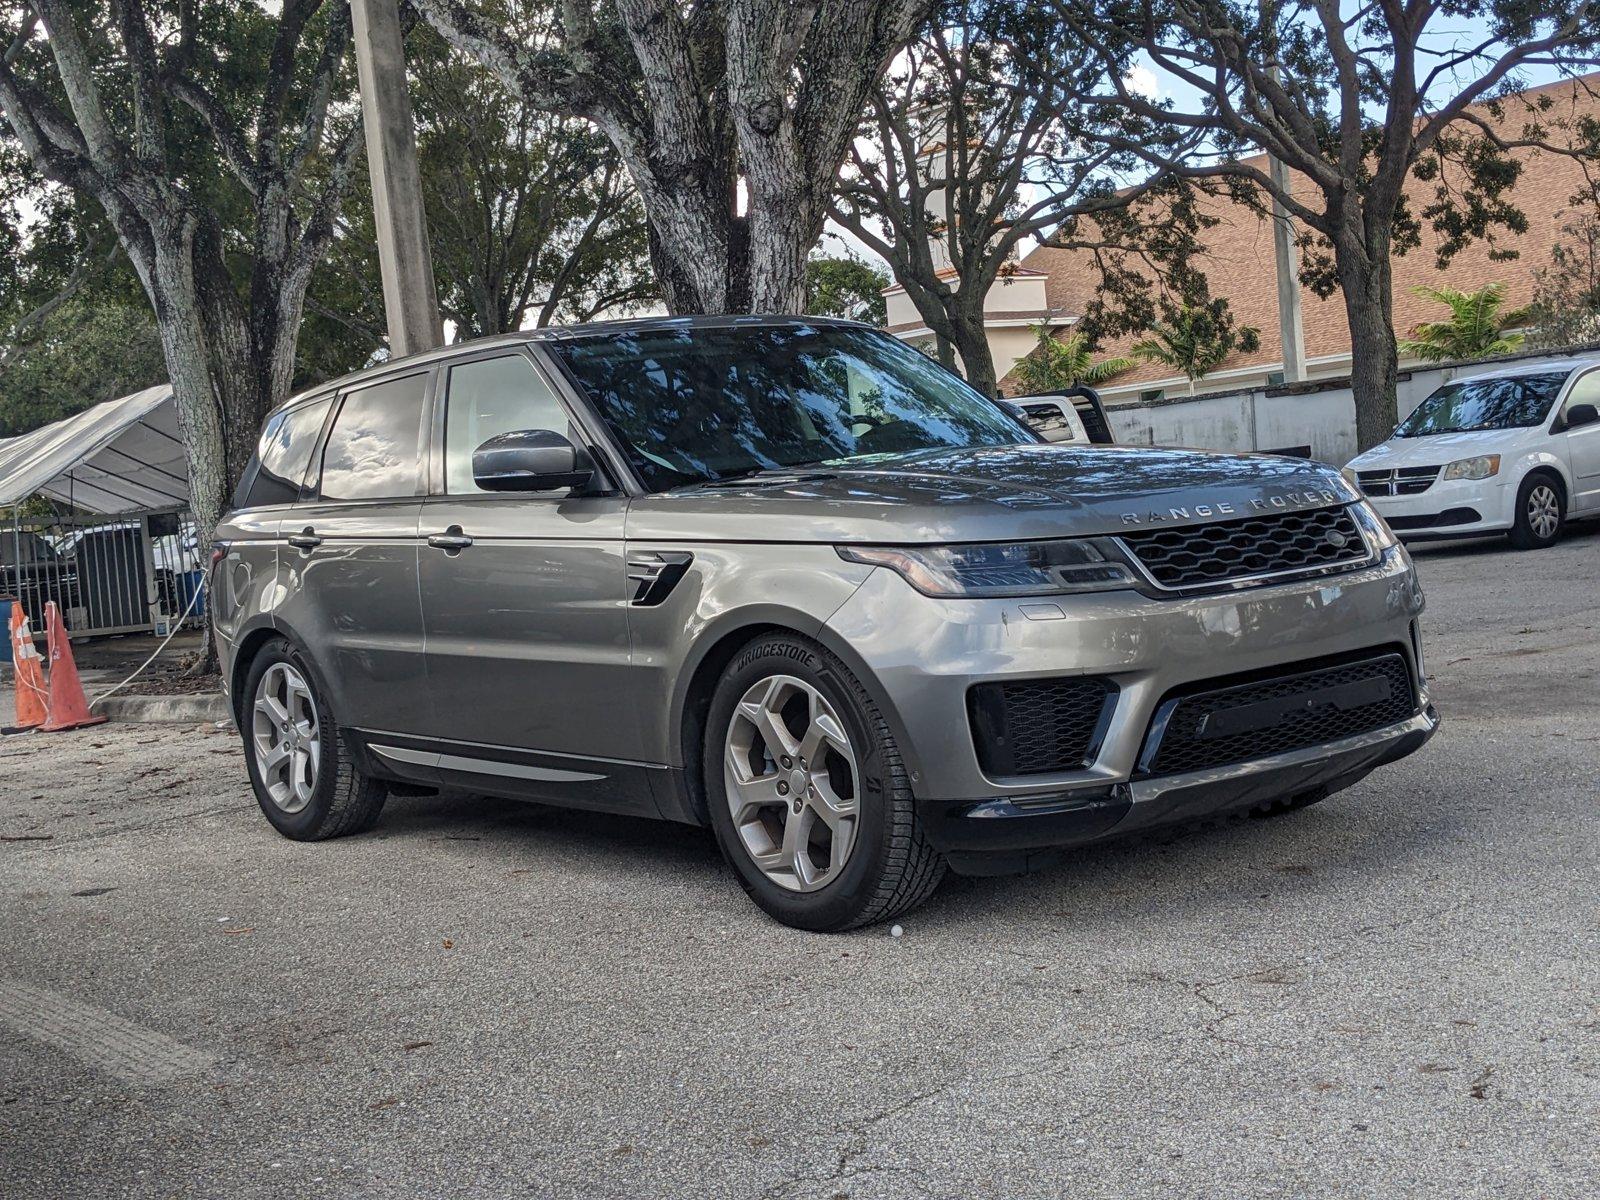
279 467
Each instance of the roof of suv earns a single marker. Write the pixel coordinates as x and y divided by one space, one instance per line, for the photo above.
561 333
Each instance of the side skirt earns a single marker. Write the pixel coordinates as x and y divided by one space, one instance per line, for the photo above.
600 785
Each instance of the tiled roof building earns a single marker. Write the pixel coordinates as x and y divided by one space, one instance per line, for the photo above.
1239 266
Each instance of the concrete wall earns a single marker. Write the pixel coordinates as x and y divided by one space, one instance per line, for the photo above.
1319 415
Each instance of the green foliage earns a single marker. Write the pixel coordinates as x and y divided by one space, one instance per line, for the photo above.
85 352
1195 339
531 219
1566 294
846 287
1056 364
1476 328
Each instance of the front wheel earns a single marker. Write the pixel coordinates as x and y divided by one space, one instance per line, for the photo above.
304 777
807 794
1540 513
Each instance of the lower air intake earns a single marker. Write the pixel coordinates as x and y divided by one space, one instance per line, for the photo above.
1039 726
1292 711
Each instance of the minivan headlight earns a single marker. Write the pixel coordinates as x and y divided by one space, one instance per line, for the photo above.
999 569
1481 467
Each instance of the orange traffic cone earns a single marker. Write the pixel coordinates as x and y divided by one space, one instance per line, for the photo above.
30 677
68 708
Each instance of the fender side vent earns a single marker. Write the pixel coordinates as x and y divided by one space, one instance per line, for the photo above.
655 573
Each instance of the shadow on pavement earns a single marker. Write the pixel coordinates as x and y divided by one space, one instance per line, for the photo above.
1237 858
1496 544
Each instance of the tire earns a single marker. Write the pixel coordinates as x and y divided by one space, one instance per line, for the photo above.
339 800
882 865
1541 512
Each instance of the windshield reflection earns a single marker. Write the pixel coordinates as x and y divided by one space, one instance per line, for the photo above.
1511 402
696 405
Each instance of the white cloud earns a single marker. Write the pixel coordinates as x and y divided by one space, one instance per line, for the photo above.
1142 81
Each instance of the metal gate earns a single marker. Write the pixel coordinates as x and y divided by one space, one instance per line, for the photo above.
128 573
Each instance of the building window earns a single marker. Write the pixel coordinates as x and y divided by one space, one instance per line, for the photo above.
1275 378
1150 394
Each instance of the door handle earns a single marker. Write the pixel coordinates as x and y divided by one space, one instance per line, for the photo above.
306 539
451 541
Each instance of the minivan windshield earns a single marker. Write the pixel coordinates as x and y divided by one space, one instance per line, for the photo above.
1511 402
695 405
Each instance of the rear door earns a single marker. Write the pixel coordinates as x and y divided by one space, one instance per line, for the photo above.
349 554
1583 446
524 598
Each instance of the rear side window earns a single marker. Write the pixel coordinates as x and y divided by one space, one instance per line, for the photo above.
284 455
373 450
488 397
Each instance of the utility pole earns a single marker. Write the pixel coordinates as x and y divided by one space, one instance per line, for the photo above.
409 299
1291 327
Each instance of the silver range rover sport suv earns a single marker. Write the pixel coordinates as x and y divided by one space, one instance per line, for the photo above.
790 579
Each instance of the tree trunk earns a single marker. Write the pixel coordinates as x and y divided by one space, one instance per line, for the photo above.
1374 360
977 360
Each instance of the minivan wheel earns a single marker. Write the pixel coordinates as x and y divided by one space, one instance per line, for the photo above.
304 776
807 793
1540 513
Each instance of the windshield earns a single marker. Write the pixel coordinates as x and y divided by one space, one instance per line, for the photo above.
1513 402
698 405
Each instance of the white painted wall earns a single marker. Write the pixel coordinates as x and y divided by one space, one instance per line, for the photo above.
1259 419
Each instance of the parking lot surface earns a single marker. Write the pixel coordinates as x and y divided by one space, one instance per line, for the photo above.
1395 993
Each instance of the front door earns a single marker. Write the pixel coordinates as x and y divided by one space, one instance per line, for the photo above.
1583 447
524 598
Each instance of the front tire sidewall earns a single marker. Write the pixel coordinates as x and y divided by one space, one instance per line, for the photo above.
307 824
838 903
1523 536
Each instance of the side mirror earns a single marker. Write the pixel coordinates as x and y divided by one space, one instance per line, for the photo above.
1582 414
530 460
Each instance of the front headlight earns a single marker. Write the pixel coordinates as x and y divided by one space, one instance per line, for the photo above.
1481 467
1000 569
1379 536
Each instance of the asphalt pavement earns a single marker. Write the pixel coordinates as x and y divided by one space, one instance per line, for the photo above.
1395 993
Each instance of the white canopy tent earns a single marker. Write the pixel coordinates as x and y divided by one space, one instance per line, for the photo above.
120 456
118 550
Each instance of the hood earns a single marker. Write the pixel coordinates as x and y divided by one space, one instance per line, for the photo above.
988 494
1435 450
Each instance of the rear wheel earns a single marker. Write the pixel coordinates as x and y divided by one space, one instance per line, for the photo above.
808 797
304 776
1541 509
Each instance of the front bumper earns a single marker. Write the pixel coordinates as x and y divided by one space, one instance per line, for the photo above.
1001 836
1458 508
926 654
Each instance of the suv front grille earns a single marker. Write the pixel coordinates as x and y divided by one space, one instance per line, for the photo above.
1407 481
1198 556
1039 726
1291 711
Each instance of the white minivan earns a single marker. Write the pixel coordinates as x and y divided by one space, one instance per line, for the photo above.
1514 451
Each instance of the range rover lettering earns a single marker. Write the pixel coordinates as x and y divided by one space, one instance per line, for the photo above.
789 579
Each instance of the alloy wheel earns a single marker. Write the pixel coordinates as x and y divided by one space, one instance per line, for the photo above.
286 736
791 780
1544 511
